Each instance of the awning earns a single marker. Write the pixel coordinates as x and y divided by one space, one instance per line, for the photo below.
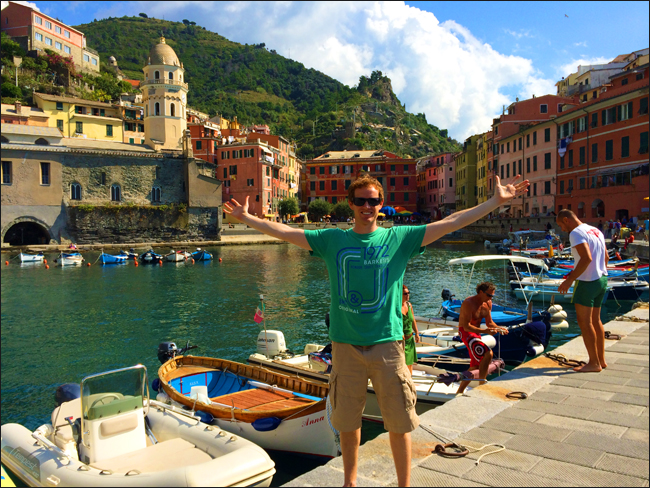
266 151
269 215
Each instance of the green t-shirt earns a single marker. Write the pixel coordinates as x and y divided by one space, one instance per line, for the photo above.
366 272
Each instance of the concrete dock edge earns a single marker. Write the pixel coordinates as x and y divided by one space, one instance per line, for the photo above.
575 429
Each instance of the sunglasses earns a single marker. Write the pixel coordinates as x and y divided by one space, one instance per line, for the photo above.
491 296
360 202
407 293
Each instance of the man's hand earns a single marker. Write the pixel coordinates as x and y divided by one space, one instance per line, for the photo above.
505 193
563 289
236 210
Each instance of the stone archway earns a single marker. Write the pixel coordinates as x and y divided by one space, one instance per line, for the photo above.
26 231
597 208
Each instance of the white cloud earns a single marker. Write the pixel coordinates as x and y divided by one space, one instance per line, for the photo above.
440 69
582 44
520 34
28 4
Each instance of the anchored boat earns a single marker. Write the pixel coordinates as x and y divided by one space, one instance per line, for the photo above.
112 259
69 259
107 432
201 255
31 258
177 256
275 411
150 257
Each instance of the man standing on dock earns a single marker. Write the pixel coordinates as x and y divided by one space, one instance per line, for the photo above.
590 276
366 267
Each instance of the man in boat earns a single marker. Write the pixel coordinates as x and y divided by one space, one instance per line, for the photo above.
589 280
366 266
473 311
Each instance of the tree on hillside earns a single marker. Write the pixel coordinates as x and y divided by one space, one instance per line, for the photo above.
318 209
288 206
342 210
143 15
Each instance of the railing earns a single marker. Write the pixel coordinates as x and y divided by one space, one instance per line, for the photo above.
91 50
162 81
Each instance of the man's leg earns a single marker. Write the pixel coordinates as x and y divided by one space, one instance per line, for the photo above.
599 330
589 338
484 365
400 444
350 452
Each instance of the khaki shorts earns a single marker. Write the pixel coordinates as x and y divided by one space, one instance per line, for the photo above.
384 365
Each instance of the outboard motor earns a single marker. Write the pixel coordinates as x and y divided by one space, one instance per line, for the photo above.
167 351
446 294
67 392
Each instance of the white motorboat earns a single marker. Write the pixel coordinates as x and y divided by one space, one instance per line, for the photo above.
31 258
107 432
69 259
177 256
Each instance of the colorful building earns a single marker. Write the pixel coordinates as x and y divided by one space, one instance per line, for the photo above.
86 119
436 177
603 146
36 31
23 115
205 134
331 174
483 146
466 190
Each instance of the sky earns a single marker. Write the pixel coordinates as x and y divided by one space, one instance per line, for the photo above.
457 62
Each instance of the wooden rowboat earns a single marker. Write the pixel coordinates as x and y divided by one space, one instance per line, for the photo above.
270 409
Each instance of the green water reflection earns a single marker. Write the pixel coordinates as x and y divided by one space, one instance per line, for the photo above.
61 324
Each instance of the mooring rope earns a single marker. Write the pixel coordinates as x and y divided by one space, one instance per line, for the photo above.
441 449
563 361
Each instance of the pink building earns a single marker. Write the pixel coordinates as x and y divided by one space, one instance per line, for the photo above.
532 154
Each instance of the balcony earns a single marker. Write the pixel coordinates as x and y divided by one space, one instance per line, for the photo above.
163 81
274 164
91 50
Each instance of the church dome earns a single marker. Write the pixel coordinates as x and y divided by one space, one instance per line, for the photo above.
162 53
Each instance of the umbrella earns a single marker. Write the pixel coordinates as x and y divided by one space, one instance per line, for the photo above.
417 214
381 214
387 210
405 212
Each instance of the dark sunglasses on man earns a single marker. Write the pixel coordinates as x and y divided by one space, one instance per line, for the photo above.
360 202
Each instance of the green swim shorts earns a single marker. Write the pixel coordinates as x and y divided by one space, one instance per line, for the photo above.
590 293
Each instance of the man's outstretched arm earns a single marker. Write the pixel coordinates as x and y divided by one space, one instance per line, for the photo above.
463 218
273 229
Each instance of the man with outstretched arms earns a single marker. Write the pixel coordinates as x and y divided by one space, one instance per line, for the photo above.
589 280
366 265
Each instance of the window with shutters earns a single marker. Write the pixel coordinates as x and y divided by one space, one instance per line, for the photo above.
570 184
594 119
547 160
334 185
643 143
643 106
321 170
406 181
547 188
535 138
6 172
547 135
321 185
312 185
582 156
570 153
347 184
625 147
608 116
594 152
527 165
527 140
543 108
534 189
609 150
534 163
562 187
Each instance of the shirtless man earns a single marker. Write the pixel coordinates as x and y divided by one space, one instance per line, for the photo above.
472 312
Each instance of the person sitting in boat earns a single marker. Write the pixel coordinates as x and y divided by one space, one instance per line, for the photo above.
472 312
411 334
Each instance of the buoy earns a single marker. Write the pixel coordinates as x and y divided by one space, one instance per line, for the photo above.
47 266
6 263
554 309
560 325
558 316
160 263
136 264
87 264
219 259
45 261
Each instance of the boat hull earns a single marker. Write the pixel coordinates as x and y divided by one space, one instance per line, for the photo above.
70 259
110 259
37 466
179 375
503 316
31 258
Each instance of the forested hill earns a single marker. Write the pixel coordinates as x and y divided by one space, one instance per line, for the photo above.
261 87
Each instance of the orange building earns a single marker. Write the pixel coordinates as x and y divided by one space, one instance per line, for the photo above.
34 30
331 174
603 147
23 115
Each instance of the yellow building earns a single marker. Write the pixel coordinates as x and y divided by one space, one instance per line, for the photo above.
466 190
293 172
76 117
482 146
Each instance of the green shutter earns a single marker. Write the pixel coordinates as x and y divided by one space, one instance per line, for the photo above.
620 112
604 117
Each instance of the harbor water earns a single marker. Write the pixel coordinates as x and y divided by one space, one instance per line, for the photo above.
61 324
